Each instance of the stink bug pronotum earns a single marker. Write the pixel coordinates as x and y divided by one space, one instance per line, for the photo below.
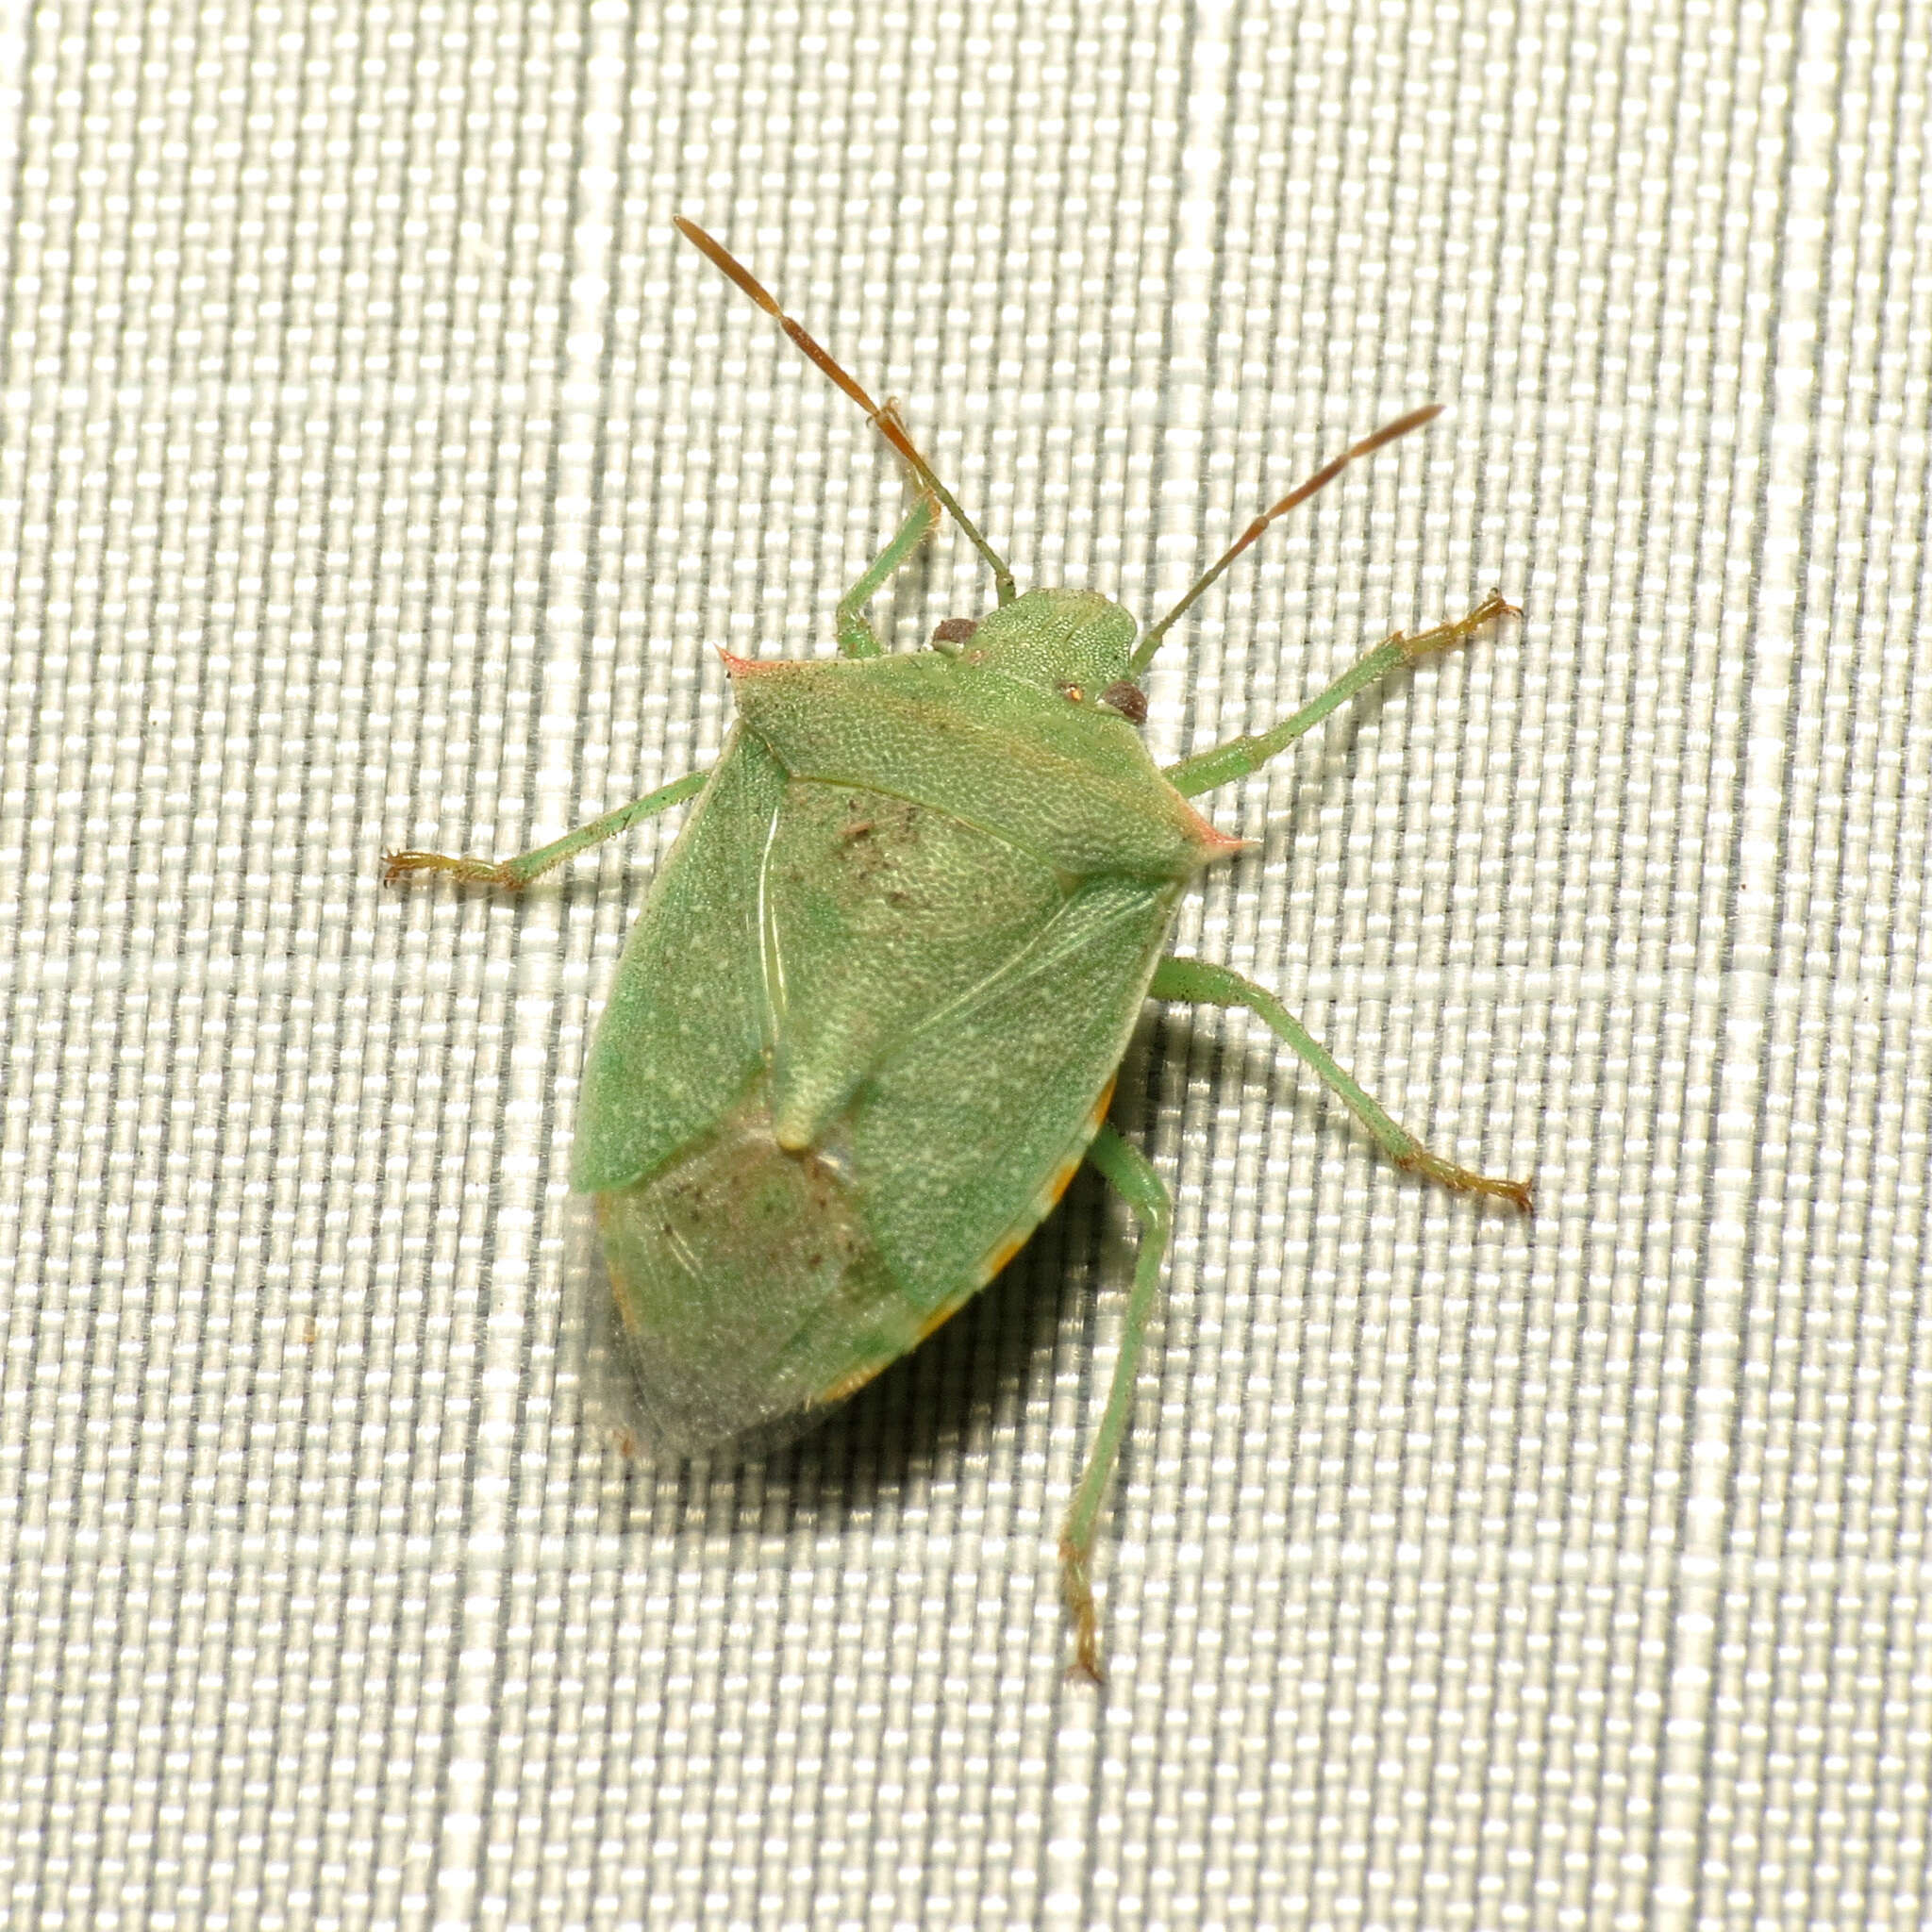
868 1023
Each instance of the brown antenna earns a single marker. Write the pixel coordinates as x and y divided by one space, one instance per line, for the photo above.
1300 493
885 420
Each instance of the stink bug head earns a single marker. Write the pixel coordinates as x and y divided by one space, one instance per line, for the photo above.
1060 639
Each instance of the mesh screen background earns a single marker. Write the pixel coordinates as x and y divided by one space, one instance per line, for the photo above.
379 469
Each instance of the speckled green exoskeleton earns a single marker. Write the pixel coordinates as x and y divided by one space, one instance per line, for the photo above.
869 1024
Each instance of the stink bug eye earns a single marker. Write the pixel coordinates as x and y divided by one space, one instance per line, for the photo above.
868 1024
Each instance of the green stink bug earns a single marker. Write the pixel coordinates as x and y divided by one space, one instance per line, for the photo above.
868 1024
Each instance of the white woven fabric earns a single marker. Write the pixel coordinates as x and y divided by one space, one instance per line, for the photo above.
377 469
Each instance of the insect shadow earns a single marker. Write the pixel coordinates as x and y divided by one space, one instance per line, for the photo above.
969 1386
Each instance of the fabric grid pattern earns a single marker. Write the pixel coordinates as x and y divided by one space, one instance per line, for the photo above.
377 469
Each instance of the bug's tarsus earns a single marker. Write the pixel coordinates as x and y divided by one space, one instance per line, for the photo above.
1521 1195
397 866
857 636
1457 631
1299 494
891 423
1077 1590
885 420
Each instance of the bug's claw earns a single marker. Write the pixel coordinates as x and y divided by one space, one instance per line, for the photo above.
1087 1653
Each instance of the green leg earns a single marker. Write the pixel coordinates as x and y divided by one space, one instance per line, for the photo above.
1215 985
1240 756
514 874
857 637
1151 1205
